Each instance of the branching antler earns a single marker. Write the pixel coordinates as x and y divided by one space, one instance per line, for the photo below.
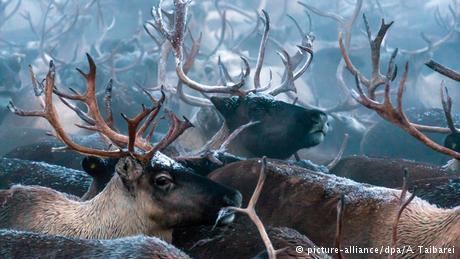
174 32
377 79
346 25
432 44
290 75
51 115
137 145
218 145
396 115
50 31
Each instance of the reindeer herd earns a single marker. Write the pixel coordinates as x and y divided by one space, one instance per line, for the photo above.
260 170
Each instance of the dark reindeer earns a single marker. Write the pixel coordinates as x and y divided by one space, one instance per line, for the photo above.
148 194
283 128
19 244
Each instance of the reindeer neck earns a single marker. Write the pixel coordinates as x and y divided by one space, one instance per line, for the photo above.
423 225
111 214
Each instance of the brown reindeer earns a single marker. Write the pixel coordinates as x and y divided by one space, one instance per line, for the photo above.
241 240
430 182
148 194
304 200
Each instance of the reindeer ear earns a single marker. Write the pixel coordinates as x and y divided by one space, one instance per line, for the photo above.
129 168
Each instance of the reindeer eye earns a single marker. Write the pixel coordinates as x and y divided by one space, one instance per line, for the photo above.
163 181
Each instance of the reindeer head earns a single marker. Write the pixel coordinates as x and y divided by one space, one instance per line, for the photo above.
164 193
172 195
283 128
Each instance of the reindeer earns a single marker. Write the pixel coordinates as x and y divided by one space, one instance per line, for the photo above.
385 109
236 237
304 200
201 242
70 181
300 127
20 244
241 240
429 182
149 193
377 134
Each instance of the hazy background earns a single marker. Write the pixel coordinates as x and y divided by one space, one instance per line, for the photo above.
39 31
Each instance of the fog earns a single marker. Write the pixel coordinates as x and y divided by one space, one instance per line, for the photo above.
114 34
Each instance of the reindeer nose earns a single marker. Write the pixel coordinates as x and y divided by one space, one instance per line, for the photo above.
234 200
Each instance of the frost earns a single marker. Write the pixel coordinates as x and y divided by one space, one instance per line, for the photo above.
163 161
335 185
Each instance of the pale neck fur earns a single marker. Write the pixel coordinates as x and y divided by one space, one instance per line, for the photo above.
111 214
426 225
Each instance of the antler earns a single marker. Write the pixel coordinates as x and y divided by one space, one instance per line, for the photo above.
432 44
345 24
378 79
396 115
50 32
50 114
290 75
403 202
138 145
251 212
339 227
176 38
450 73
4 17
345 27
